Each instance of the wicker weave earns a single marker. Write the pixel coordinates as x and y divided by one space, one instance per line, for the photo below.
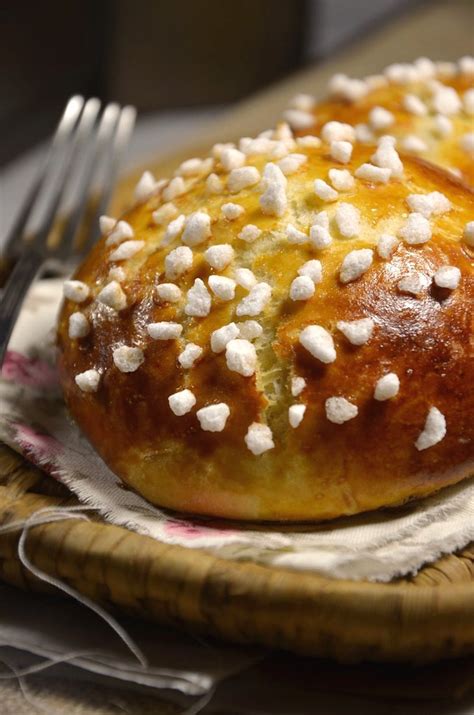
417 619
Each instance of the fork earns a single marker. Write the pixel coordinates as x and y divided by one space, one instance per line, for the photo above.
81 134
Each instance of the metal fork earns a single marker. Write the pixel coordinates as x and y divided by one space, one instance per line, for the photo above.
80 133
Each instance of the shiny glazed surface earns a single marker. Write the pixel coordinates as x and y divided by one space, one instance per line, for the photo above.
445 151
319 470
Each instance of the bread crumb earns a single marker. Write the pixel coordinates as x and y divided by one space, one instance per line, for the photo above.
414 283
373 174
433 431
222 287
355 264
232 211
295 415
413 144
146 187
174 229
214 184
313 269
447 277
298 384
164 330
319 237
78 326
380 118
386 246
126 250
194 167
245 278
219 256
364 134
291 163
308 142
273 201
176 187
414 105
387 387
107 224
88 381
432 204
116 273
259 438
386 156
214 417
442 126
77 291
242 178
128 359
250 233
466 142
294 235
254 303
198 303
302 101
189 355
250 329
222 336
358 332
468 101
446 101
344 87
178 261
181 402
218 148
348 220
341 151
168 292
232 158
113 296
468 233
341 179
298 119
302 288
340 410
197 228
164 214
324 192
466 65
318 342
337 131
416 229
241 356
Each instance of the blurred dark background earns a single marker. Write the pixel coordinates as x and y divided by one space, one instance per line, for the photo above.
158 54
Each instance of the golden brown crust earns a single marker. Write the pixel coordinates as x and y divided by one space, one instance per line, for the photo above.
319 470
445 150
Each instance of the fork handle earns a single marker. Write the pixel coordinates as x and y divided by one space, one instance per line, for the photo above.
14 293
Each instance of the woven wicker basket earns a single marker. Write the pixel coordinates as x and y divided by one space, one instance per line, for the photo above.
424 618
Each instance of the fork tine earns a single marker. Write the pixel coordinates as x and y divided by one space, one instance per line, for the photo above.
106 130
76 131
123 132
86 123
63 131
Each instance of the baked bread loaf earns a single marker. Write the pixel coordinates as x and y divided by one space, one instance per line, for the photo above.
427 106
275 335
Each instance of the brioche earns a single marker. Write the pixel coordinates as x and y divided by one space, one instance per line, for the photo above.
275 335
428 107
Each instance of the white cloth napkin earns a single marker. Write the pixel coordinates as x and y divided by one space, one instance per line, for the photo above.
76 648
376 546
